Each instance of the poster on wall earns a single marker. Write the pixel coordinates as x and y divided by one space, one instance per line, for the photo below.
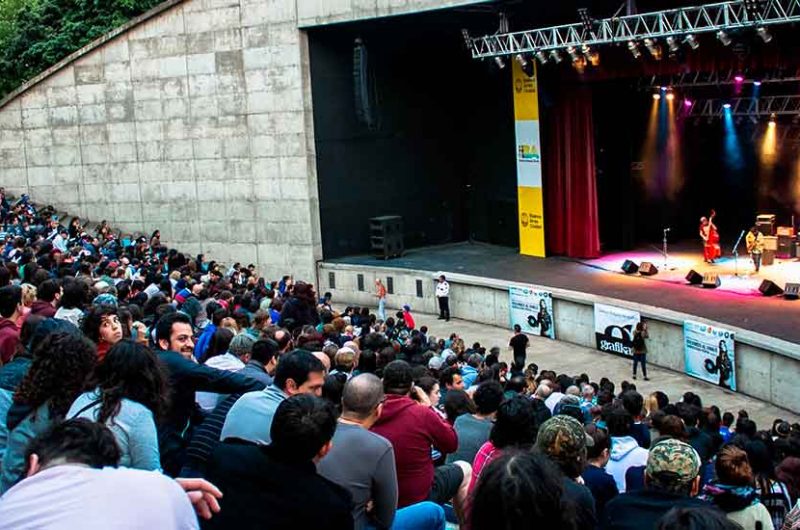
710 353
614 327
532 309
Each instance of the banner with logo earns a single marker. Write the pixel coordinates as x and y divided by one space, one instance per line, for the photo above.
529 161
710 353
614 327
532 309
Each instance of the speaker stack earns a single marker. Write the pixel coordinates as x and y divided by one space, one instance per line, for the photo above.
386 236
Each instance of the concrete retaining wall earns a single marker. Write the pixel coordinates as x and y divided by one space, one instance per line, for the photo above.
766 368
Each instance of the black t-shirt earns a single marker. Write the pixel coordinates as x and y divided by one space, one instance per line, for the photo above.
518 343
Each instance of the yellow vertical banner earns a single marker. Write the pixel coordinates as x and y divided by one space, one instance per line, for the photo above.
529 162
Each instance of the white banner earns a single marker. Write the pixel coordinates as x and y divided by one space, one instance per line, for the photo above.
614 327
532 309
710 353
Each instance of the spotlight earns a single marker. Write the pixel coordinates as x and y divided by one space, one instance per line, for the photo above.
523 62
654 49
572 51
687 103
764 33
556 56
754 8
739 78
542 56
579 64
499 62
594 58
656 96
724 38
772 118
586 50
673 44
756 83
633 46
692 41
670 96
726 106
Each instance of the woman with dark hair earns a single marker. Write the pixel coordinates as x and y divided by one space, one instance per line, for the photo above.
733 491
456 403
520 489
61 364
155 239
515 426
72 302
130 397
724 365
300 308
773 493
219 344
101 325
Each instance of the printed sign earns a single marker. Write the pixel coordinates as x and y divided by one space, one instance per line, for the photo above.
614 327
710 353
532 309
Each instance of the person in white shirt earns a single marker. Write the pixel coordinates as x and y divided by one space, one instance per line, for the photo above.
443 297
237 356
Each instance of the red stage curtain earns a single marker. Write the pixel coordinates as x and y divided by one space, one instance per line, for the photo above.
570 188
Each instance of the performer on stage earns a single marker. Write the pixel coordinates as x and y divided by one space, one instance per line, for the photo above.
755 246
710 237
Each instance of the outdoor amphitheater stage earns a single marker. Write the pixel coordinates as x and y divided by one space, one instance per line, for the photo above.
736 302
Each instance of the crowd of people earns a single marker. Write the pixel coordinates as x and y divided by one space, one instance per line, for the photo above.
142 388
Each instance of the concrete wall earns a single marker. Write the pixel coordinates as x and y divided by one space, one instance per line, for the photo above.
195 119
767 368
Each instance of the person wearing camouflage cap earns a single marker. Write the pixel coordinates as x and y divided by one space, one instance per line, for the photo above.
672 479
563 440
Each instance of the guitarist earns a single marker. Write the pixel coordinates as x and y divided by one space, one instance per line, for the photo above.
710 237
755 246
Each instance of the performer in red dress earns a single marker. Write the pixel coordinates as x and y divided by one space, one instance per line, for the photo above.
710 237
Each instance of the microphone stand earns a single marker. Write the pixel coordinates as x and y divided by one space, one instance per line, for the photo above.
666 259
736 253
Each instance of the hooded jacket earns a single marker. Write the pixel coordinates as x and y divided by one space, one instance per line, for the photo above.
413 429
9 339
625 453
45 309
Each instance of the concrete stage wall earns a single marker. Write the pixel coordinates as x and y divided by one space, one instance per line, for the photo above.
195 118
767 368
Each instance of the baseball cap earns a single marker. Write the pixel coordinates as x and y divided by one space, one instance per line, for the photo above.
672 464
562 437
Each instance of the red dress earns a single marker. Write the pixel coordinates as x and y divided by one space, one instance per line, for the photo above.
711 248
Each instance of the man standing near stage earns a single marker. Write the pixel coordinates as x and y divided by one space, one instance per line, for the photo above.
443 296
519 345
755 246
380 293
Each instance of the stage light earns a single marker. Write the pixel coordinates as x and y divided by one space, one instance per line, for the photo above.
670 96
726 106
656 96
579 64
573 52
724 38
586 20
633 46
765 35
556 56
499 62
523 62
673 44
542 56
662 88
692 41
594 58
739 78
687 103
754 8
772 118
654 48
769 145
756 83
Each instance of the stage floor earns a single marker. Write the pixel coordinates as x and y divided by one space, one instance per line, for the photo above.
737 302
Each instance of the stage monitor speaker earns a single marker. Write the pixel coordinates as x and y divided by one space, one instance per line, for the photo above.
648 269
792 291
770 288
694 277
630 267
711 280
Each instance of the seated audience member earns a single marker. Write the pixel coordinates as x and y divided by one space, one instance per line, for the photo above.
473 429
625 451
233 360
73 482
733 491
633 402
130 396
363 463
563 440
520 489
250 417
101 325
263 361
697 518
10 310
277 485
413 427
672 479
596 478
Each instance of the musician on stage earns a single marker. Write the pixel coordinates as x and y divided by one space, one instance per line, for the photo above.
710 237
755 246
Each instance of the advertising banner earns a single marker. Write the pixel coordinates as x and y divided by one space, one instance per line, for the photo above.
614 327
710 353
532 309
529 162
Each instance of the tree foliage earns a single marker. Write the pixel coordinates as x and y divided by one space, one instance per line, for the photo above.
36 34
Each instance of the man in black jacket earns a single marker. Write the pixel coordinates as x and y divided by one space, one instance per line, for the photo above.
277 486
174 336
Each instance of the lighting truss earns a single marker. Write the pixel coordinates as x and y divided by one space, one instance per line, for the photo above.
706 79
747 107
708 18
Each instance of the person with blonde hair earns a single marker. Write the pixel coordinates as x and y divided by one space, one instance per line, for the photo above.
28 297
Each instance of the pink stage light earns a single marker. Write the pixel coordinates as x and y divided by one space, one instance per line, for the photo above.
739 78
687 103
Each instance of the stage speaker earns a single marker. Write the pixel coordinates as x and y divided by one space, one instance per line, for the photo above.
694 277
792 291
766 224
386 236
768 257
648 269
711 280
770 288
785 247
630 267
